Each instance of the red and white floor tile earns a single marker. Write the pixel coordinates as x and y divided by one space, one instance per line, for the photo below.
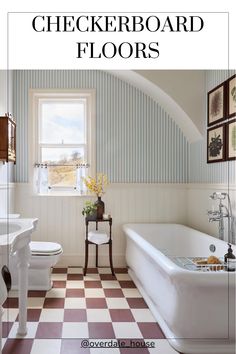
98 313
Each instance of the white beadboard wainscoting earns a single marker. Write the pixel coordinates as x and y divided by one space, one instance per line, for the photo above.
6 199
6 189
60 218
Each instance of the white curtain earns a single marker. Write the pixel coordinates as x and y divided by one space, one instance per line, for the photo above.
80 173
41 179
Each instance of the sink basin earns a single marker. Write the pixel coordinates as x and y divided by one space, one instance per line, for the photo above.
14 232
7 228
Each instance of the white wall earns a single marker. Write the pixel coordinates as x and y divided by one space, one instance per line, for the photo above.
7 195
6 198
60 218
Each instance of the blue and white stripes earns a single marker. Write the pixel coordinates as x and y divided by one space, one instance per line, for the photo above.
136 140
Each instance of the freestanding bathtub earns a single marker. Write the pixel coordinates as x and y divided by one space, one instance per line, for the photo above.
194 306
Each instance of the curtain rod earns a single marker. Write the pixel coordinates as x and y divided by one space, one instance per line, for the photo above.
86 165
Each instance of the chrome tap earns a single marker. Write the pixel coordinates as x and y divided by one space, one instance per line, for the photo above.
222 213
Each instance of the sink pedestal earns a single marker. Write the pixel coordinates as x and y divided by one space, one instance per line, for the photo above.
23 255
15 236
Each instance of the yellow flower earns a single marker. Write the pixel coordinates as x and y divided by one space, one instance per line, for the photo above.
96 185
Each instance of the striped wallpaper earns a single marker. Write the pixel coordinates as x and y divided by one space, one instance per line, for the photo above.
136 140
200 171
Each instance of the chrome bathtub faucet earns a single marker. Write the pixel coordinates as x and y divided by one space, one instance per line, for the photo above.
222 213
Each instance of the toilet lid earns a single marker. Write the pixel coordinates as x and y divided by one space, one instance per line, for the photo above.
45 248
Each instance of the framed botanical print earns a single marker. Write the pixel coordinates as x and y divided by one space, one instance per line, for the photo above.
216 144
216 105
231 96
231 140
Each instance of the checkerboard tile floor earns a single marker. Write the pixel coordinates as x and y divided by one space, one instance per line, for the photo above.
104 309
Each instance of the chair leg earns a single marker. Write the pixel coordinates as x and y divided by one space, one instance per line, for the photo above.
96 255
86 257
110 257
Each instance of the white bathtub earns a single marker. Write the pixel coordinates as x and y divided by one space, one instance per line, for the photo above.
196 310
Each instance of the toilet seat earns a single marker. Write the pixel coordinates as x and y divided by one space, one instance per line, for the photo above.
45 248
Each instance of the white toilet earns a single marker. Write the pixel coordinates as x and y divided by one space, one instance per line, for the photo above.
44 256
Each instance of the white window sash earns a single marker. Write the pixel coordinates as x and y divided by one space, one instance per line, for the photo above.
63 146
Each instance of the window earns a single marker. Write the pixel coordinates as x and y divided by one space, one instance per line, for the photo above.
64 130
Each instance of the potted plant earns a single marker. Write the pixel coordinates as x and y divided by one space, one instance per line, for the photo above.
90 209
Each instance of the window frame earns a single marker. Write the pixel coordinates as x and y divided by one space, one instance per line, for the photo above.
36 96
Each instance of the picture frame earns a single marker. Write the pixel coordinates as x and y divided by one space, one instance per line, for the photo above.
216 144
216 105
231 96
231 140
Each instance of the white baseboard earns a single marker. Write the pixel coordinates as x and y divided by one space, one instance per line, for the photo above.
78 260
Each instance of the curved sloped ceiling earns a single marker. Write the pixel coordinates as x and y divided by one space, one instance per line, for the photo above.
187 111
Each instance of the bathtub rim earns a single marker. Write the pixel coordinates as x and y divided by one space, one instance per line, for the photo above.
173 269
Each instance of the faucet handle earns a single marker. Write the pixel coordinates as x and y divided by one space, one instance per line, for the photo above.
213 215
212 212
218 195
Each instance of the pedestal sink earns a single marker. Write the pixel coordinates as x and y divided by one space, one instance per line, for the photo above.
15 235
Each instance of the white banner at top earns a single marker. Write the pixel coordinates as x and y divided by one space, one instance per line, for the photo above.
118 40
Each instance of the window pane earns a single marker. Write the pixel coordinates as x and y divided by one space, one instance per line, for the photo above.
63 122
62 156
63 174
